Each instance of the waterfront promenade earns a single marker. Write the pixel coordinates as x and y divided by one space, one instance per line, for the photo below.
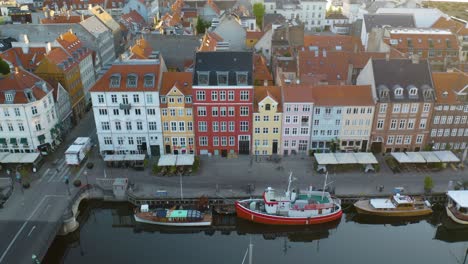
31 217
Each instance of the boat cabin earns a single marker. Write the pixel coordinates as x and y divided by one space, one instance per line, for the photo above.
458 200
397 201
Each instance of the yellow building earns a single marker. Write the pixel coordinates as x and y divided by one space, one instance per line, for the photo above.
176 113
267 120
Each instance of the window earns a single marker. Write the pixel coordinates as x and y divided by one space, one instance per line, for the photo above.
244 111
317 122
380 123
393 124
137 111
413 91
304 130
203 141
422 123
188 99
383 108
100 98
454 132
232 126
287 119
201 110
265 130
149 80
407 140
151 111
115 81
275 130
166 126
396 108
215 141
402 124
231 111
189 126
118 126
244 95
203 78
202 126
116 112
223 141
222 78
457 120
152 126
20 126
295 119
188 111
276 118
306 108
230 95
215 126
266 118
107 140
433 132
399 92
17 111
214 111
443 119
223 126
286 143
294 131
102 111
286 130
201 95
139 125
232 141
419 139
114 98
257 118
405 108
124 99
337 122
449 120
214 96
105 126
244 126
265 142
130 141
241 78
426 107
128 125
399 140
436 120
411 123
33 110
10 127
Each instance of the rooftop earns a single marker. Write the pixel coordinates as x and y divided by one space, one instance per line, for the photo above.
298 93
343 95
390 20
448 84
23 86
181 80
262 92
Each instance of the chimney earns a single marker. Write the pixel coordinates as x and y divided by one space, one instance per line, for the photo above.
61 36
387 56
16 70
46 14
48 47
265 82
415 59
26 39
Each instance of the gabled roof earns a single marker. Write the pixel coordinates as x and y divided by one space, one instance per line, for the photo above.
447 84
298 93
261 71
73 46
181 80
210 41
254 34
80 5
123 70
343 95
454 26
141 49
19 58
262 92
213 6
133 17
224 61
105 17
391 20
334 43
60 57
21 82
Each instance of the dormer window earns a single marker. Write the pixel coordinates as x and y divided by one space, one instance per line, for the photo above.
149 80
241 78
9 97
115 80
203 78
428 93
413 91
222 78
267 107
399 92
29 95
131 80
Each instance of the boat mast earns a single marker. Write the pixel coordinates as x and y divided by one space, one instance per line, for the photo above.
289 184
324 184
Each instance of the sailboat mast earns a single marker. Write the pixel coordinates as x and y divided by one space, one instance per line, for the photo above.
324 185
289 184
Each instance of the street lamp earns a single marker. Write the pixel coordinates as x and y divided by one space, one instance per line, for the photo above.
86 176
19 179
67 181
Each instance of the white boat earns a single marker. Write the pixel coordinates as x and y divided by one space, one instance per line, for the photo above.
457 206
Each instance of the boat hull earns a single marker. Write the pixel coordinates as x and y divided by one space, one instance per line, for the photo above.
146 221
364 207
454 218
263 218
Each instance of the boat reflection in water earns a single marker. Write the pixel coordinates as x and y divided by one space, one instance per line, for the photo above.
451 232
352 215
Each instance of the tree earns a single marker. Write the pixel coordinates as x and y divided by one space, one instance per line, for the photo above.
259 12
202 25
4 67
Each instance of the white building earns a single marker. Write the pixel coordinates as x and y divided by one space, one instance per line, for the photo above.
423 17
312 13
126 108
28 116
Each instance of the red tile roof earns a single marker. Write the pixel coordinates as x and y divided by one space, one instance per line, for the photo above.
454 26
134 17
447 84
18 82
29 60
261 92
59 56
138 67
209 42
298 93
254 34
73 46
141 49
63 19
421 41
182 80
341 95
330 43
80 5
261 71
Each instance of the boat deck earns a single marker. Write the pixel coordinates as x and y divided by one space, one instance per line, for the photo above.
316 198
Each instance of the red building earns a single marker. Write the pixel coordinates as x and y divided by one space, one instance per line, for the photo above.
223 102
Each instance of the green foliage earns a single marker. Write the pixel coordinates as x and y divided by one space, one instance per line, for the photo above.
145 163
196 164
259 12
202 25
4 67
427 148
311 152
428 183
172 169
156 169
376 167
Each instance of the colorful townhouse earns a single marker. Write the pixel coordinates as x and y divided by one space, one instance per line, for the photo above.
297 118
405 96
267 120
176 113
449 126
223 102
342 119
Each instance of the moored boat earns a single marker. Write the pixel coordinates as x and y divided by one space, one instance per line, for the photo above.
172 217
290 208
457 206
396 206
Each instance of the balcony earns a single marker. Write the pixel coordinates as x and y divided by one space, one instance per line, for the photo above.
125 106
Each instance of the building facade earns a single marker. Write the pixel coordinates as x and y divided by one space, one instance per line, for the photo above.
297 118
176 113
267 120
449 126
223 102
28 116
311 13
126 108
405 96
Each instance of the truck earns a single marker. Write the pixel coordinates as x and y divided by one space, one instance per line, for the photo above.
78 151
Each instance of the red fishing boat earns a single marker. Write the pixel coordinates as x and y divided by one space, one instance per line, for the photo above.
291 208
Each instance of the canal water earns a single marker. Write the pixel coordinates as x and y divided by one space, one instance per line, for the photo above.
108 234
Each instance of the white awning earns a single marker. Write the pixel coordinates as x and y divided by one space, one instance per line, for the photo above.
20 158
365 158
345 158
325 158
132 157
167 160
401 157
446 156
185 160
429 156
415 157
